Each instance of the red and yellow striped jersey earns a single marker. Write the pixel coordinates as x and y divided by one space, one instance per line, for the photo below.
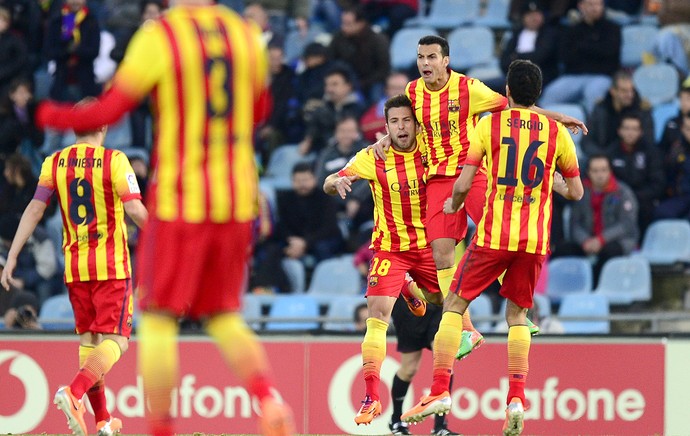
207 70
448 116
397 186
522 150
91 182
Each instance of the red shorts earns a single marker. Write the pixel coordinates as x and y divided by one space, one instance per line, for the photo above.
387 272
480 266
193 270
104 306
454 226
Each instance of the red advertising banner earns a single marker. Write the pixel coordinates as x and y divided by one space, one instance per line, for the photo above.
572 388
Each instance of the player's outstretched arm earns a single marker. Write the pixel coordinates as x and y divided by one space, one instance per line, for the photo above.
572 123
460 189
136 210
335 184
30 219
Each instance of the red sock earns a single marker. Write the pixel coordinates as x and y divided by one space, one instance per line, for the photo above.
259 386
97 399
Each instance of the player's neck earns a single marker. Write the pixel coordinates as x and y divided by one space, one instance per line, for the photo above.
437 85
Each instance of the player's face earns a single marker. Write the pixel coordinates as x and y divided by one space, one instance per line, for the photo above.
402 128
432 66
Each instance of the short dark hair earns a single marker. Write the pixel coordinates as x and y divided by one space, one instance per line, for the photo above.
524 80
435 39
302 167
399 100
630 115
340 70
598 156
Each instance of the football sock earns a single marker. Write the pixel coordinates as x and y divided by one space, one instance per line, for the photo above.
97 363
519 340
242 351
373 353
398 392
96 393
159 366
446 343
445 278
441 421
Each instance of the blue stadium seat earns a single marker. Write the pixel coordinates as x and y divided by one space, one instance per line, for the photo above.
569 275
341 309
337 275
56 313
495 15
667 242
403 47
471 47
625 279
481 306
448 14
661 113
657 83
636 39
574 110
252 310
294 269
584 305
295 43
280 164
301 308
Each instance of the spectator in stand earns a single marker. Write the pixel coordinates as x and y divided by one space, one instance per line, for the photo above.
284 125
604 120
534 40
604 223
340 100
554 10
308 224
672 131
636 162
395 12
255 12
676 202
13 53
373 121
18 186
72 41
672 43
281 11
23 312
344 144
310 81
366 52
17 128
590 53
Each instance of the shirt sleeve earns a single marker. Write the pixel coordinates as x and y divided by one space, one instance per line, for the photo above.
46 184
484 99
477 137
124 180
567 154
362 165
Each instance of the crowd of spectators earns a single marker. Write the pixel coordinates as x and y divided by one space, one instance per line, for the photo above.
328 100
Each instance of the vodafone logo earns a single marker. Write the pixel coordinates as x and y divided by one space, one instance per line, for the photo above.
35 406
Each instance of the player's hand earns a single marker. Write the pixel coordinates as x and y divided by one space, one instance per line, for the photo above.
448 207
559 185
344 185
380 147
7 280
573 124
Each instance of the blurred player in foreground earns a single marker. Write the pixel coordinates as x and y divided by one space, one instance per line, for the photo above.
95 187
522 149
206 69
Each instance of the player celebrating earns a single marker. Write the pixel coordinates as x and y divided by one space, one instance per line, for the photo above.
398 238
207 71
522 149
95 187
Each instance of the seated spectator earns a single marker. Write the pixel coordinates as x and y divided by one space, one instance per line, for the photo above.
604 121
395 12
340 100
533 40
676 201
364 51
13 53
554 10
590 53
672 133
17 129
311 74
18 188
373 121
637 163
360 317
672 44
604 223
23 312
345 143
